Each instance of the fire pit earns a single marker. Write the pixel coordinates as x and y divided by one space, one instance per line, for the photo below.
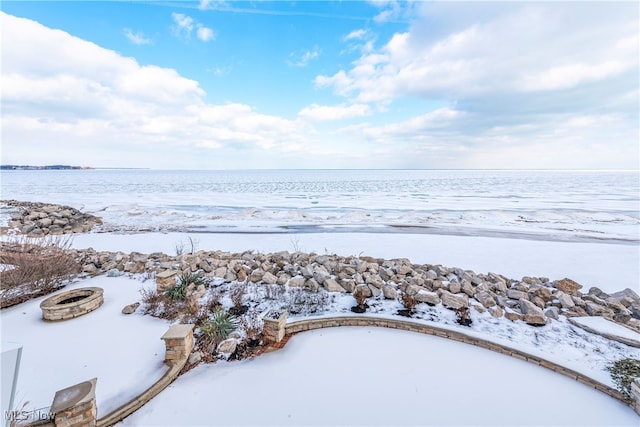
70 304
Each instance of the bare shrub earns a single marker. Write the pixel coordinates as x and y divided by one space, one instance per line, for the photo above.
361 297
302 301
237 293
408 301
40 267
252 326
274 292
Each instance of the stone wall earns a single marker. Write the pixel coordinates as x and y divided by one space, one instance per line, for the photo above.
534 300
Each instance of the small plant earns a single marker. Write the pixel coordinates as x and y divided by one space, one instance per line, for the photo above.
623 373
360 296
190 248
218 327
237 294
409 302
463 317
194 279
177 292
252 326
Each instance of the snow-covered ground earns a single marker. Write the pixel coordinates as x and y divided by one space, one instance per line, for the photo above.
374 376
125 353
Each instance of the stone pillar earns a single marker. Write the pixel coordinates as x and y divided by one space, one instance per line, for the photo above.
178 341
635 395
165 280
75 405
274 325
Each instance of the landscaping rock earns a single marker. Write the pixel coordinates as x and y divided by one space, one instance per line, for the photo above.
568 286
332 286
485 298
227 347
389 292
454 301
131 308
532 314
430 298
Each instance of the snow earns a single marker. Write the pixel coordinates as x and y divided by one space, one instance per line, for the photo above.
604 326
373 376
124 352
55 358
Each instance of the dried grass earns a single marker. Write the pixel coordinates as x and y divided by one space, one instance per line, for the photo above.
40 267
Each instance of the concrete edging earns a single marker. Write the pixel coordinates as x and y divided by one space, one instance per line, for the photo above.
330 322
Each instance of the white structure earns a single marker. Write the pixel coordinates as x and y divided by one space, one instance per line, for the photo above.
11 354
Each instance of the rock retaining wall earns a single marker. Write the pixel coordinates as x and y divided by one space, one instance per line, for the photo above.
535 300
43 219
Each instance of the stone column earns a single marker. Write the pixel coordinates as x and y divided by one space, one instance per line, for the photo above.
274 325
178 341
165 280
75 405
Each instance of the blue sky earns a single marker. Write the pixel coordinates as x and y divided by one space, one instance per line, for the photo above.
342 84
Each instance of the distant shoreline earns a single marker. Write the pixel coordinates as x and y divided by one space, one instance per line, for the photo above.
57 167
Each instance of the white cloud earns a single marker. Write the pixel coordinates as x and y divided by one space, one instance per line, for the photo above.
532 47
205 34
317 112
356 35
183 24
136 38
90 102
304 59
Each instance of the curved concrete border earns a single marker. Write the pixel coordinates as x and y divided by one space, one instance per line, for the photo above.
330 322
130 407
53 310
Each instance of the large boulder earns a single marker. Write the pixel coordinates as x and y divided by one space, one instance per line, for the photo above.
568 286
485 298
430 298
454 301
332 286
532 314
389 292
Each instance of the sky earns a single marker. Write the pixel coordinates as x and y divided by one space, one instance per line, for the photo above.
329 84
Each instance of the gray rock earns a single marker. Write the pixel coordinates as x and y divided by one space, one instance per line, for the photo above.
565 300
552 313
454 301
114 272
517 295
375 291
227 347
389 292
485 298
454 287
195 357
430 298
496 311
269 278
131 308
533 315
332 286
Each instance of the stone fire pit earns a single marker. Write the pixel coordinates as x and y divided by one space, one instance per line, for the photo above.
70 304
